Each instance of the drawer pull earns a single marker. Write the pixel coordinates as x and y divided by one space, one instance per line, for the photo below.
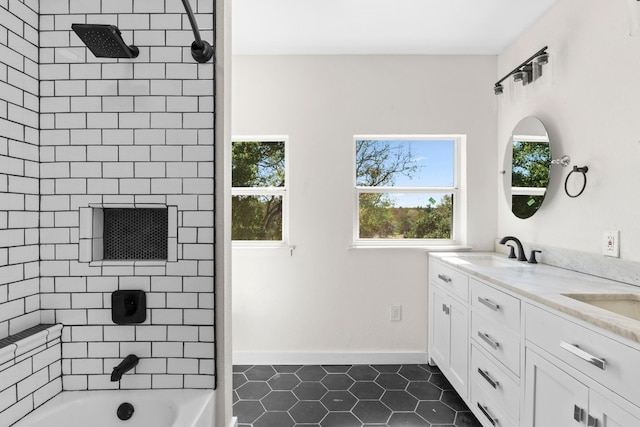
577 351
592 422
486 301
444 278
486 338
487 414
578 413
446 309
485 374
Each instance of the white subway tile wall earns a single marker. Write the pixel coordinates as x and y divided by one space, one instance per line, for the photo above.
120 131
30 372
19 174
75 132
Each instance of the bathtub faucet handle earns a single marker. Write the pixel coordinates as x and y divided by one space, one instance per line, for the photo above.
127 364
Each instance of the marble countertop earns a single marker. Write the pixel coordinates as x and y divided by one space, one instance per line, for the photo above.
546 284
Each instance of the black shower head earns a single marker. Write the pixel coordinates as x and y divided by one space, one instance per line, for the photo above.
104 41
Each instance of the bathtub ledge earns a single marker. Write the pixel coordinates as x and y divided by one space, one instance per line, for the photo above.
23 342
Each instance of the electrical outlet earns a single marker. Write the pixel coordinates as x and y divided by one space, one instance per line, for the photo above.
395 313
611 243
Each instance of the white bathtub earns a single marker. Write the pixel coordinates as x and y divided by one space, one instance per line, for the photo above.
152 408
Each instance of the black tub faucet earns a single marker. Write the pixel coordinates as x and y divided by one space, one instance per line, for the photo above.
125 366
521 256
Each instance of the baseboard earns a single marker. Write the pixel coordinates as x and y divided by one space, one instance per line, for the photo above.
327 358
233 422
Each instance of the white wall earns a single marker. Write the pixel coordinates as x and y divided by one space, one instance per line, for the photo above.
591 107
327 298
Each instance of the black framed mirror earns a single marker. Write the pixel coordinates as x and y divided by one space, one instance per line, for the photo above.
527 163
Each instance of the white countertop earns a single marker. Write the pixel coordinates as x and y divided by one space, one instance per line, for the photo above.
546 285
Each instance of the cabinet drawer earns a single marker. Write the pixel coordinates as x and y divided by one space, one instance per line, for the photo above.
495 304
498 341
450 279
605 360
496 383
488 412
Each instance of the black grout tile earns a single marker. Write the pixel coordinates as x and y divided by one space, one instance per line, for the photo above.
311 373
366 390
337 381
336 369
347 396
310 390
286 369
284 382
363 373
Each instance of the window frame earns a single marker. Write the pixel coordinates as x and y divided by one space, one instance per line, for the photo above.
458 190
265 191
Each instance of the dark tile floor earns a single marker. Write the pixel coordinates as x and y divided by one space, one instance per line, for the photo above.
347 396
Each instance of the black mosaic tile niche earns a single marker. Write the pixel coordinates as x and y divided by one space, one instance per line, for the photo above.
136 233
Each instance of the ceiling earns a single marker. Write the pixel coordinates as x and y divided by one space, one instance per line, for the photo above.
427 27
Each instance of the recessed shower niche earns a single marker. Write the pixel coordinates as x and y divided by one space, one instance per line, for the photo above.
127 233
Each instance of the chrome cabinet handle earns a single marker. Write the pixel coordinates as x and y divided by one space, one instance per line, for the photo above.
578 413
486 338
577 351
486 301
444 278
487 414
485 374
592 422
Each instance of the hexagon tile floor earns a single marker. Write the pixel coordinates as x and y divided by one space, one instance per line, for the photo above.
347 396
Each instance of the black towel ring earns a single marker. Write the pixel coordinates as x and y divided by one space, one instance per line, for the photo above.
583 170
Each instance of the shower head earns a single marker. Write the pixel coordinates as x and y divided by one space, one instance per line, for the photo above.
104 41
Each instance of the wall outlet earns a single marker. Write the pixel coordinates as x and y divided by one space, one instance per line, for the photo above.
395 313
611 243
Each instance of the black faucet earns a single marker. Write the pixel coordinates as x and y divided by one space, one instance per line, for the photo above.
125 366
521 256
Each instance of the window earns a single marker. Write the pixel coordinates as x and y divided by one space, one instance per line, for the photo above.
408 190
259 190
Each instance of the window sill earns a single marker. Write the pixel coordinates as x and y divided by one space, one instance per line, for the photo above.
428 248
261 250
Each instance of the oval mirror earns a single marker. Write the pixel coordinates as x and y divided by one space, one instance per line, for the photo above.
526 163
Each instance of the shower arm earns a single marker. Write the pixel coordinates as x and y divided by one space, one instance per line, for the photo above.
200 49
192 20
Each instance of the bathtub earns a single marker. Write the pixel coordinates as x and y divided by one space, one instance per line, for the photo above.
151 408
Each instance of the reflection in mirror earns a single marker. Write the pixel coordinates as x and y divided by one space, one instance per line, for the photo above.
528 157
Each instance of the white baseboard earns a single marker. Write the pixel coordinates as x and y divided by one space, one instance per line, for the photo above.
233 422
327 358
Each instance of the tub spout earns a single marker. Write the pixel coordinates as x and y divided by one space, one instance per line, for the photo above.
125 366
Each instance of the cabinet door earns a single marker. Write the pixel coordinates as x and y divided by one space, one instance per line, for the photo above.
440 328
459 348
604 413
450 338
553 397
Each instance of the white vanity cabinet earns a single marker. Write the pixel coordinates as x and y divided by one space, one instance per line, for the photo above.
574 374
555 398
449 324
495 355
516 361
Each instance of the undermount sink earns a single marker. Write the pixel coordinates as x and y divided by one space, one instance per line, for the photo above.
627 305
491 261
